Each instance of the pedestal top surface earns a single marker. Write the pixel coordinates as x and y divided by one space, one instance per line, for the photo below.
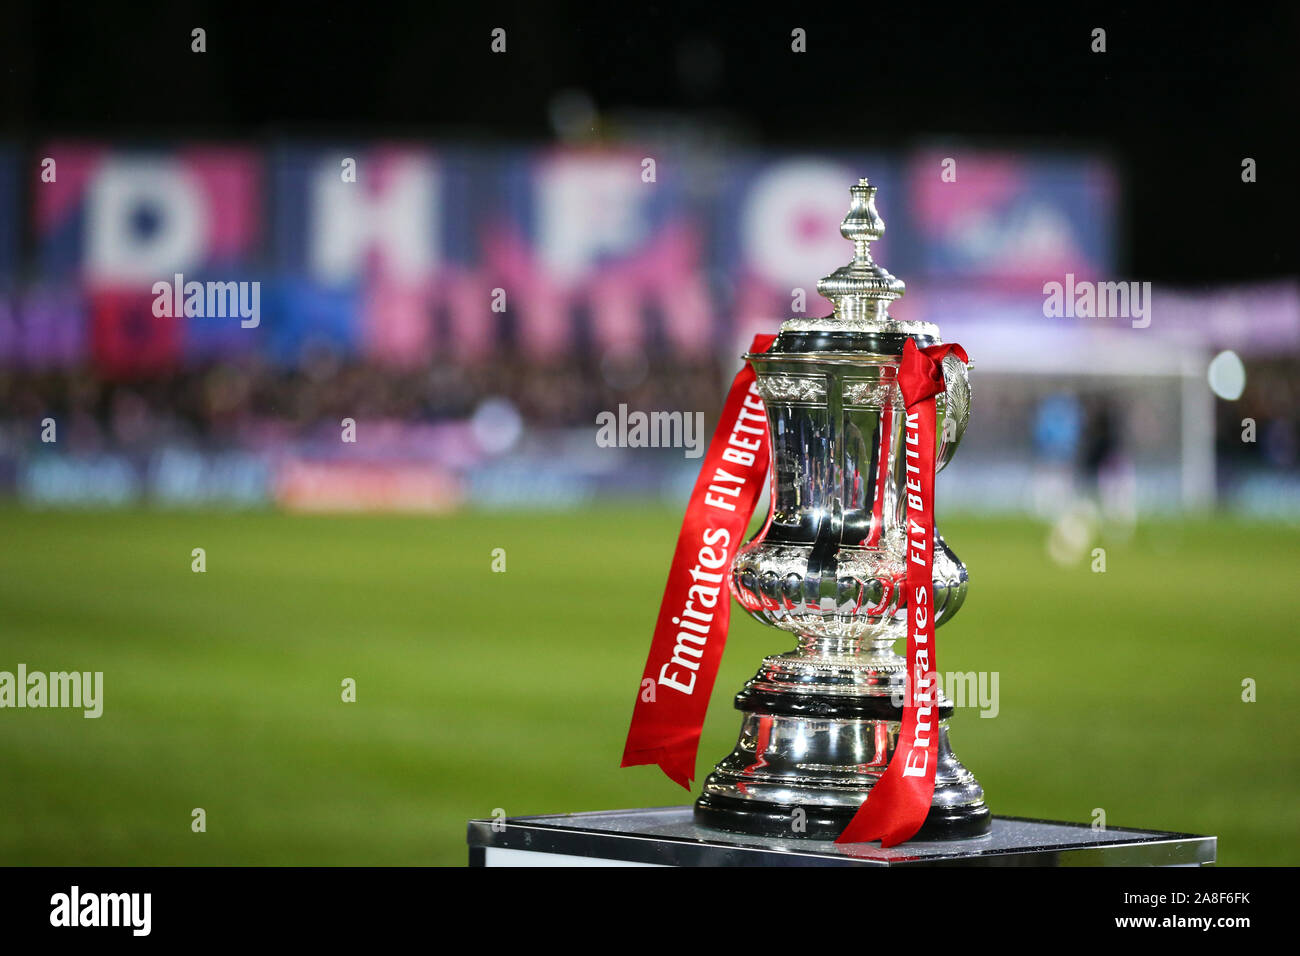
670 836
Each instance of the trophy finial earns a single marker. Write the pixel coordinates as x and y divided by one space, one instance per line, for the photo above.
863 224
862 287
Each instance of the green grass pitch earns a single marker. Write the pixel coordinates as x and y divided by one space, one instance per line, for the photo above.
479 690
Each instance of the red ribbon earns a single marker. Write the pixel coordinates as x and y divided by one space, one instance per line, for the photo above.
898 804
696 609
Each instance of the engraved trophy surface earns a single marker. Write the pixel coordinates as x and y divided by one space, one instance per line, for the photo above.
821 721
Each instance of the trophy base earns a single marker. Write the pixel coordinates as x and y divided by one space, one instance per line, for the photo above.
826 823
805 763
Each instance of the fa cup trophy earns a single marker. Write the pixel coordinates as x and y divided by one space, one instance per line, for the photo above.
822 722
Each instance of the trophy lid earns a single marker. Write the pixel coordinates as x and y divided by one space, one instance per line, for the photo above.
861 290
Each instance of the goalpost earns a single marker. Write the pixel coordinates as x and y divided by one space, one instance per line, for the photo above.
1158 387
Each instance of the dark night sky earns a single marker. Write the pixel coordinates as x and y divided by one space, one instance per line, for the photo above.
1178 99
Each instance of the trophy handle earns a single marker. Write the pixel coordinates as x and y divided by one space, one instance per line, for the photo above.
950 581
953 409
950 578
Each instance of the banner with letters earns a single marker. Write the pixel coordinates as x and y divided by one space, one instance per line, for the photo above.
142 261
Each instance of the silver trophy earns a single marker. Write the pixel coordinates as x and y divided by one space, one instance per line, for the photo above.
821 721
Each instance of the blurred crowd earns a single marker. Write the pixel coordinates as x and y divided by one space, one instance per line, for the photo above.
246 402
228 403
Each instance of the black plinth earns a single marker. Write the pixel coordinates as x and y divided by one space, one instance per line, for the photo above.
669 836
